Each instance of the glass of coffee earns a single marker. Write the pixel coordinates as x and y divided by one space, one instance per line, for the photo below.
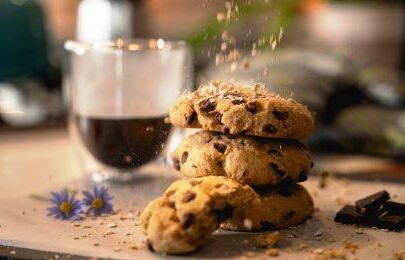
118 95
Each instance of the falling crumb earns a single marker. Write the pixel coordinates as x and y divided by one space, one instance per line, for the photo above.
269 240
324 179
272 252
220 17
245 64
248 224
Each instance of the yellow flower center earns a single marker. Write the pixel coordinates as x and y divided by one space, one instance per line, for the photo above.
66 207
97 203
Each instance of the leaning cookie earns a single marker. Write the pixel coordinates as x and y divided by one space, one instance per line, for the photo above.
244 159
279 207
229 108
189 211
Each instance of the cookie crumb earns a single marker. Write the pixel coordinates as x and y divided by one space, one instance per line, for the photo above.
96 244
269 240
112 225
248 224
272 252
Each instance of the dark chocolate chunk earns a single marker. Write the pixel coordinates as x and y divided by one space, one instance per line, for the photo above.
251 107
188 196
267 226
238 101
390 221
225 130
218 117
286 189
269 129
275 152
187 220
394 207
288 215
223 214
349 215
220 147
149 245
207 105
184 157
303 176
280 115
372 203
280 173
192 118
176 164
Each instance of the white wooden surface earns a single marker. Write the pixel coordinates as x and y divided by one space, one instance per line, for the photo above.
35 163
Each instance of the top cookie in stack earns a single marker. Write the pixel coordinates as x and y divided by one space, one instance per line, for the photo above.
232 109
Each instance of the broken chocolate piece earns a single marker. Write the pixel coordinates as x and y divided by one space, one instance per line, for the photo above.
349 215
390 221
394 207
372 203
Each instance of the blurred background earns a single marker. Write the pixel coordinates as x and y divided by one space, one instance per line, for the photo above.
344 59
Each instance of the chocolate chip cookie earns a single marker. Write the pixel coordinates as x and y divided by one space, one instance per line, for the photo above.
245 159
278 207
229 108
191 210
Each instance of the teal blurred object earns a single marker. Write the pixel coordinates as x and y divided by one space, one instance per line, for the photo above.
23 45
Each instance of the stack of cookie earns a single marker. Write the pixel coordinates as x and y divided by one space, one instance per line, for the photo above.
241 170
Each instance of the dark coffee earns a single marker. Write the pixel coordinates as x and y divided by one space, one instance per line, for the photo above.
123 143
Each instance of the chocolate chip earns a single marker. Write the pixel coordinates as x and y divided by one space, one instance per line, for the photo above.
280 173
267 226
192 118
275 152
187 220
303 176
371 203
223 214
238 101
149 245
312 164
176 164
225 130
218 117
251 107
184 157
220 147
171 204
189 196
394 207
288 215
391 221
280 115
269 129
207 105
286 190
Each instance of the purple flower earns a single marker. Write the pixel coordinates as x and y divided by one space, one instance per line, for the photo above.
98 202
66 207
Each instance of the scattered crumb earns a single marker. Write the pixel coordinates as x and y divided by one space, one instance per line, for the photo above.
76 238
76 224
133 247
268 240
112 225
350 246
318 233
96 244
272 252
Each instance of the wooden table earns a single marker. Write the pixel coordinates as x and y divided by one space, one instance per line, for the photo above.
33 163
